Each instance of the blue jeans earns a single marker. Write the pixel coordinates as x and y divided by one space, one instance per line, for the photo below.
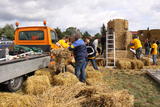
80 70
154 57
93 61
147 50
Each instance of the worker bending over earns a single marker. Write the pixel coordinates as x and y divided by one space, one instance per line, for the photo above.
154 52
80 54
137 45
63 43
91 53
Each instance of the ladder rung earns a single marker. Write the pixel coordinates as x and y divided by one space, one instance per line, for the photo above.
110 48
111 62
110 57
110 39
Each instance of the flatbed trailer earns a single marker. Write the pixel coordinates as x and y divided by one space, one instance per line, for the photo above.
155 74
13 72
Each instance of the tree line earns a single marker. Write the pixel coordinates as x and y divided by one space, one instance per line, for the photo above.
8 32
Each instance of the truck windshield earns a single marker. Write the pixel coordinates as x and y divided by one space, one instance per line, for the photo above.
31 35
54 37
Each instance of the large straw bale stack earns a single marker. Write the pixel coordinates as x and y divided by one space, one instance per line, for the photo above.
127 38
36 84
137 64
123 64
66 79
154 34
111 99
47 72
120 27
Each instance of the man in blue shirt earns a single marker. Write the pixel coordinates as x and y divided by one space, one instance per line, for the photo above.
80 54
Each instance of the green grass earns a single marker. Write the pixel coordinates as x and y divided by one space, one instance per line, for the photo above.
145 90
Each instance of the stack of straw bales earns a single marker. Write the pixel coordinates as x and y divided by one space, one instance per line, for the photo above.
122 35
35 85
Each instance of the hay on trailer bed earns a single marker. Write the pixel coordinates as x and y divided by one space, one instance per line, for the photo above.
36 84
65 78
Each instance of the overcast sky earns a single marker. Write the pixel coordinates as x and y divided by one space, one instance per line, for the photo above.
84 14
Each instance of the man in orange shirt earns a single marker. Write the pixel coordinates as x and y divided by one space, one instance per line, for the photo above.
154 52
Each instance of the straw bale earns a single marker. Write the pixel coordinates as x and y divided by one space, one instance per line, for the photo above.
137 64
45 71
146 61
128 38
123 64
112 99
65 78
36 84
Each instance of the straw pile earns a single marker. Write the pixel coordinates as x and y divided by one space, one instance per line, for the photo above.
122 36
18 100
112 99
36 84
66 79
47 72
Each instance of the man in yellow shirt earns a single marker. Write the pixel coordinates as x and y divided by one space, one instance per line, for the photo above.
63 43
154 52
137 46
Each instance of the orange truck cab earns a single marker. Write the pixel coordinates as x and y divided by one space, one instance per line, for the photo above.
42 37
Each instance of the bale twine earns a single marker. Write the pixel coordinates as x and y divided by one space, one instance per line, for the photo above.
47 72
66 79
123 64
111 99
37 84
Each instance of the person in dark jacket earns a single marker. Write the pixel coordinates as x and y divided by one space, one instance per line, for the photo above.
91 53
147 47
80 54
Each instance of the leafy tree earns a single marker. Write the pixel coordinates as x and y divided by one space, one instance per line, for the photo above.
97 35
71 30
103 30
86 34
8 31
59 33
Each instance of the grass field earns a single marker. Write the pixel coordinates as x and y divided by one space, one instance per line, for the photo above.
145 90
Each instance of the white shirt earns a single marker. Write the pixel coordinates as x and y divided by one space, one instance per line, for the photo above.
95 43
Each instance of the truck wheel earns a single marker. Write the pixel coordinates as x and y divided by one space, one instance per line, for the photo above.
15 84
